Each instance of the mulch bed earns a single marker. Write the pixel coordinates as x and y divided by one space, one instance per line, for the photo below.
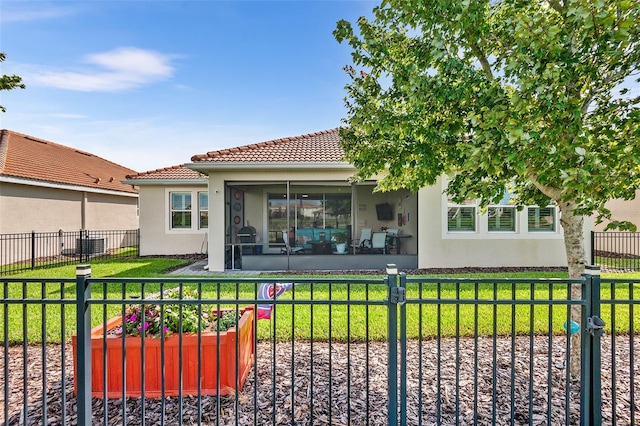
350 386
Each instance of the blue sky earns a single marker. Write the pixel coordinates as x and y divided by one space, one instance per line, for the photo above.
148 84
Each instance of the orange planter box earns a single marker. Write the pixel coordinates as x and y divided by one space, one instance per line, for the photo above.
243 333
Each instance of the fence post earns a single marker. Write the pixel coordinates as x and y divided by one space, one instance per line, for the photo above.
83 343
33 250
591 382
593 247
403 349
392 343
81 246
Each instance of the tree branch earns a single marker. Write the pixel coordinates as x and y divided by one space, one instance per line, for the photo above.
549 191
555 5
482 58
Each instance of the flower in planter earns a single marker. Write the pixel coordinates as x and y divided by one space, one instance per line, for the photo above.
158 319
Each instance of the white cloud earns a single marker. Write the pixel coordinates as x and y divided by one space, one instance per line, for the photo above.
117 70
35 11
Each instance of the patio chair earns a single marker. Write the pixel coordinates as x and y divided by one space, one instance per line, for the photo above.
379 242
292 246
364 243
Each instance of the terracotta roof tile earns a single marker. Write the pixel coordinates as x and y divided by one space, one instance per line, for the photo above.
167 173
26 157
313 147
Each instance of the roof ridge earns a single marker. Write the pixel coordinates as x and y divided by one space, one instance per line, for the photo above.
258 145
162 169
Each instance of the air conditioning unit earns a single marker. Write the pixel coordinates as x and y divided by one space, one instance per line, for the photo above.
91 245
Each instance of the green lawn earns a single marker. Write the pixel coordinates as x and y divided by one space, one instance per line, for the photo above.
295 316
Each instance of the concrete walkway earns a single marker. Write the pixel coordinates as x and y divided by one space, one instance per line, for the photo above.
197 268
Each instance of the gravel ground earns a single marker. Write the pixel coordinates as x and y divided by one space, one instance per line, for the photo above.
349 386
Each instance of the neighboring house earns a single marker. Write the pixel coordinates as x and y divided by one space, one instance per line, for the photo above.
291 195
47 187
623 210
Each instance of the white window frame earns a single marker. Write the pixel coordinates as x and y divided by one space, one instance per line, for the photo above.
187 210
482 223
473 206
492 207
543 231
195 211
201 210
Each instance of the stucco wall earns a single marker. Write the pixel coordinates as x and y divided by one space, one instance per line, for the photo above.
155 236
106 212
436 249
623 210
25 208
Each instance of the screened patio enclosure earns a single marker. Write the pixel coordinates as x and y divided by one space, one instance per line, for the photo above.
310 225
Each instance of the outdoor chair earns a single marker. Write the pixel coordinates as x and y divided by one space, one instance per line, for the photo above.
379 242
364 243
292 247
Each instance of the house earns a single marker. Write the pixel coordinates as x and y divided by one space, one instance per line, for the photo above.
169 223
47 187
276 205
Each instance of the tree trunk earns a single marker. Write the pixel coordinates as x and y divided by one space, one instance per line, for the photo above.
572 225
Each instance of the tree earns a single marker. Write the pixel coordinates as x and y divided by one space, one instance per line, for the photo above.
9 82
521 94
524 94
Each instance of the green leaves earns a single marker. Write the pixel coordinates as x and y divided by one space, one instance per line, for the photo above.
9 82
165 319
494 92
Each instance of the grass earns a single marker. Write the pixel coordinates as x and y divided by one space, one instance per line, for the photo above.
295 316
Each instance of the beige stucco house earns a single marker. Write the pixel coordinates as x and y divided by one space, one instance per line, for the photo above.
280 205
46 187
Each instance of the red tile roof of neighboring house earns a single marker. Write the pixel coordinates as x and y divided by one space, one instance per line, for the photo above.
26 157
167 173
319 147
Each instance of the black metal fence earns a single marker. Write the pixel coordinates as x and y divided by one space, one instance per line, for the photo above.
25 251
376 351
616 250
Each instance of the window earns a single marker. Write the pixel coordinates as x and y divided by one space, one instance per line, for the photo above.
308 210
501 219
180 210
541 219
461 218
203 210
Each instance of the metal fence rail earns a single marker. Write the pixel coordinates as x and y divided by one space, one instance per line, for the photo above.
621 350
512 363
32 250
375 351
616 250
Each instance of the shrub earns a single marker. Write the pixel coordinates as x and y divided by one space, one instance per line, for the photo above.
157 319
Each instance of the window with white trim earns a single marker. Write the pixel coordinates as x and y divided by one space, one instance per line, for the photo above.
180 210
541 219
203 210
501 217
462 217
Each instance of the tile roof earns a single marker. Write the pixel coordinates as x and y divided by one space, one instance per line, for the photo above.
168 173
320 147
27 157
